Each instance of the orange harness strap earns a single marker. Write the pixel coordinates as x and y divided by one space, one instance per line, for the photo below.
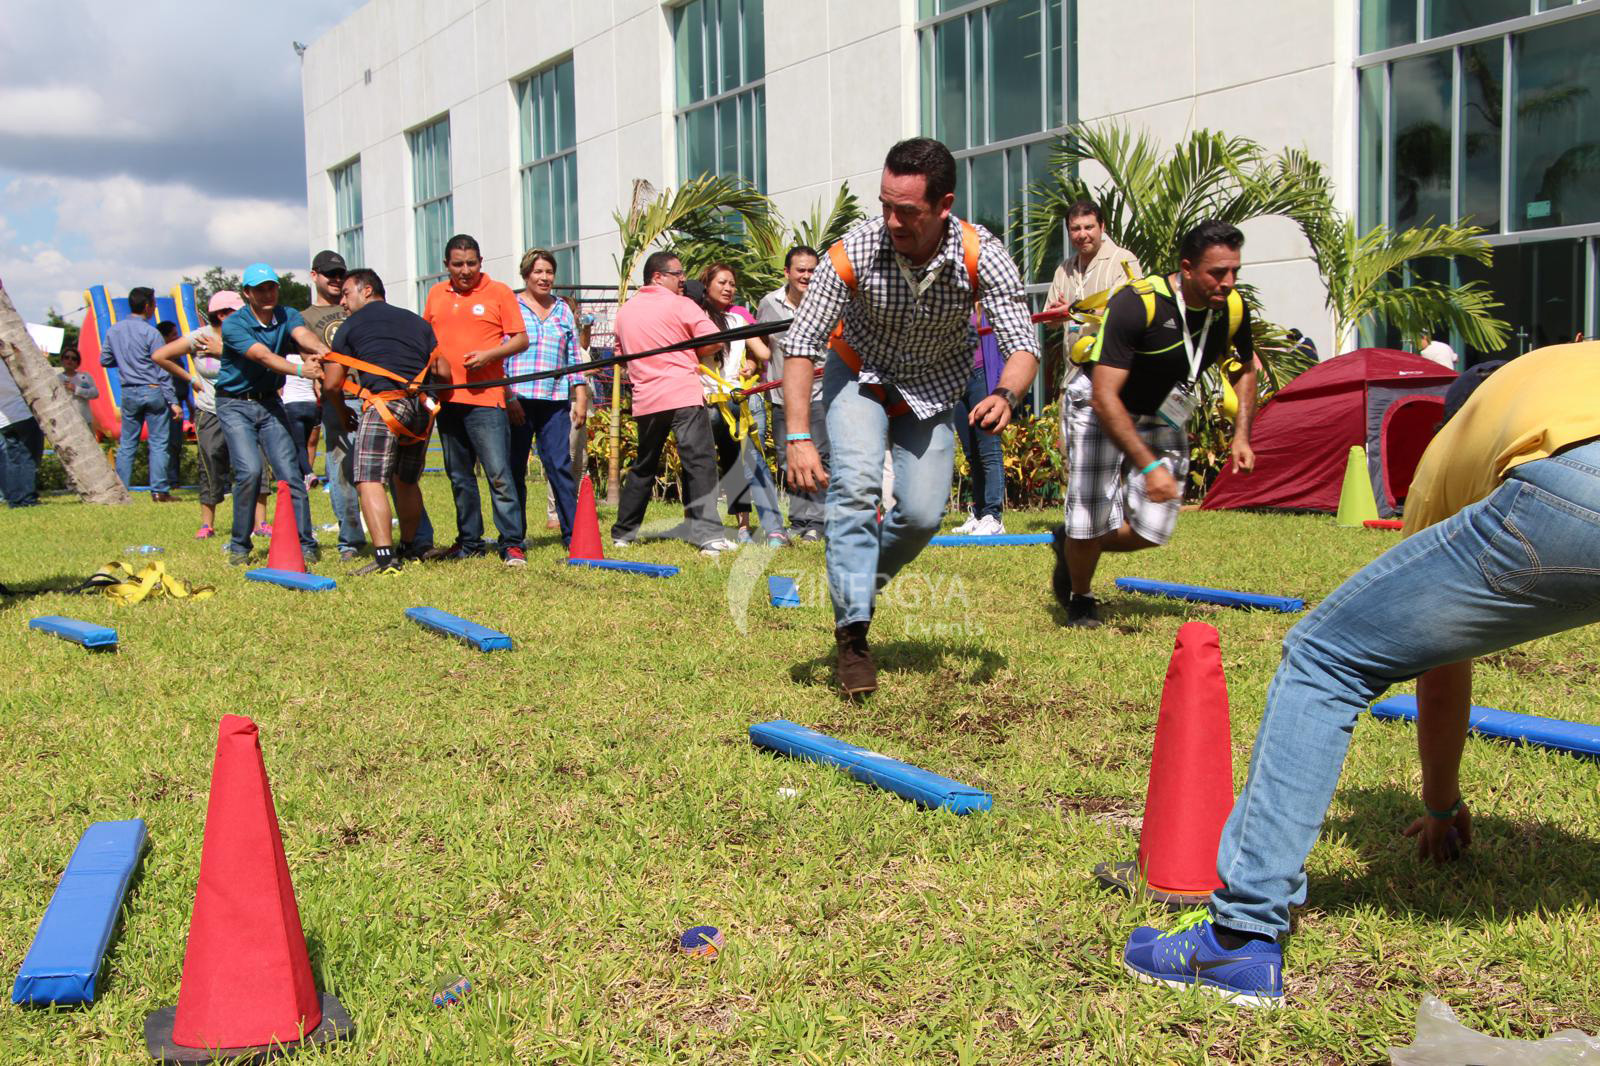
381 400
892 403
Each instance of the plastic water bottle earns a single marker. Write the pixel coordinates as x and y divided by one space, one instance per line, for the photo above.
143 549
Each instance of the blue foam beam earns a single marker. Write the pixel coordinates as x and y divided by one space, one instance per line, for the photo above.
91 636
1574 738
999 540
62 964
291 580
647 569
1247 601
481 637
782 591
904 780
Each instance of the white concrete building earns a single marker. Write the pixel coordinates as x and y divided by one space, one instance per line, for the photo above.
528 123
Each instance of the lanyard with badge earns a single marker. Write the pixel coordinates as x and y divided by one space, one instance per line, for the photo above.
1179 405
918 288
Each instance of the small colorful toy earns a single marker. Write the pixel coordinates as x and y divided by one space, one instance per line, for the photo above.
453 992
703 941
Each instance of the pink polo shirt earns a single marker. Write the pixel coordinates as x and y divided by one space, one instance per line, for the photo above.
653 317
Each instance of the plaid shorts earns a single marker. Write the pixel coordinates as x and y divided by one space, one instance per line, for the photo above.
1105 489
379 454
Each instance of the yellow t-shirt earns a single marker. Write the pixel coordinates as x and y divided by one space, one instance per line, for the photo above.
1529 409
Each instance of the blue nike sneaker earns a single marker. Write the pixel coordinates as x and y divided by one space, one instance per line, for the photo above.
1251 976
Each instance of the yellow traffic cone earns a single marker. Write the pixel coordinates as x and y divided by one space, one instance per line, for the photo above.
1356 504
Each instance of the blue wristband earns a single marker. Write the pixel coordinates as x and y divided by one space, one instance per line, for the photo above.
1151 467
798 436
1445 815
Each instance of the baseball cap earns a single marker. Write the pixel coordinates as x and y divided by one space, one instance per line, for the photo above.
258 274
327 262
224 300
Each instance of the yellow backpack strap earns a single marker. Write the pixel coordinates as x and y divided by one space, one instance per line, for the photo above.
1235 312
841 265
1146 288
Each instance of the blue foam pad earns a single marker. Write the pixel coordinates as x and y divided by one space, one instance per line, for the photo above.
291 580
1248 601
1576 738
999 540
783 592
903 779
647 569
481 637
70 945
99 638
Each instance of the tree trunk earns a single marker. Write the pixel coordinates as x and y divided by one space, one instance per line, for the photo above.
56 412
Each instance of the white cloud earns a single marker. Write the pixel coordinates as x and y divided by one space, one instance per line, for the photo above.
62 111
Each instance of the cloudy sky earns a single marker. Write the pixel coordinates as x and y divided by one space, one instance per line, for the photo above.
142 142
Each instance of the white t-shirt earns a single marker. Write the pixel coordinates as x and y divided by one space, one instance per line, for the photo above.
13 408
205 372
298 389
1441 353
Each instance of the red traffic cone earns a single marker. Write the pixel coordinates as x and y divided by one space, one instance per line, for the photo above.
247 980
1191 780
586 525
283 553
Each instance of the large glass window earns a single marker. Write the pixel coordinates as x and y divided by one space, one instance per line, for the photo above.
546 116
1453 16
1482 118
994 80
720 56
1556 154
1419 140
1387 24
347 213
432 210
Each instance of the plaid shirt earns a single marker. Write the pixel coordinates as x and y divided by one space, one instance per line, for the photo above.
552 344
922 347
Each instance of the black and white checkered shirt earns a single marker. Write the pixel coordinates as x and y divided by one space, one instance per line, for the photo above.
921 346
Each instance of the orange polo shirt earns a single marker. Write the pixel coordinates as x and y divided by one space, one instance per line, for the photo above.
474 322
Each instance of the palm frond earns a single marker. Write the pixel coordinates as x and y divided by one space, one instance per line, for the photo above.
706 205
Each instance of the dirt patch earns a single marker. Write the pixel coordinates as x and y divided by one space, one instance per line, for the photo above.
1115 811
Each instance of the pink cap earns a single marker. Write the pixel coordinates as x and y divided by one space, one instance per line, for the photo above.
224 300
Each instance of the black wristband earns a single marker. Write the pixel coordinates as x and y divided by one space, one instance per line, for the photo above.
1005 394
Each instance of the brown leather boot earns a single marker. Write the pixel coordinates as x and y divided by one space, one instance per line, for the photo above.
856 672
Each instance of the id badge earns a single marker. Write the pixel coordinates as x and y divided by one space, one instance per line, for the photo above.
1177 408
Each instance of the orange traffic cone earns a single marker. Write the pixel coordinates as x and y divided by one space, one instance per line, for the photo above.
1191 780
283 553
586 525
247 982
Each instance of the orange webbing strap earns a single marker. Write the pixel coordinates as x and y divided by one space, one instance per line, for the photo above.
380 400
970 247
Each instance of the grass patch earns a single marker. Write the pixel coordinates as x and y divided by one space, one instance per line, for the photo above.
547 821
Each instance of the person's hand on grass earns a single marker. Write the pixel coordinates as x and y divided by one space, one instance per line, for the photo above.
1442 839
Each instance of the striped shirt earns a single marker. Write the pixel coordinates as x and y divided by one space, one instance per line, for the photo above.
921 346
552 344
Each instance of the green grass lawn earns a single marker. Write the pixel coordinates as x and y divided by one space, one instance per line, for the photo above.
547 821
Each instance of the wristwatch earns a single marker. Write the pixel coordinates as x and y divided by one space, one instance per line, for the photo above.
1005 394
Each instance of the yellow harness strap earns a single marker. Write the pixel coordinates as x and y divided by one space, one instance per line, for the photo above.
125 587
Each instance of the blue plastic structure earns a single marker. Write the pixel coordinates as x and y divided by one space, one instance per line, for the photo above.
999 540
70 945
291 580
1248 601
782 591
903 779
91 636
1575 738
481 637
647 569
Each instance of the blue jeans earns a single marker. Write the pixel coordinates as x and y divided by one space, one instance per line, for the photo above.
471 433
303 416
252 427
21 446
339 464
806 510
143 405
985 457
864 554
547 425
1519 565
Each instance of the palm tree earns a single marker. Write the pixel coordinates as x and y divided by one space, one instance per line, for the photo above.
1358 271
757 254
85 463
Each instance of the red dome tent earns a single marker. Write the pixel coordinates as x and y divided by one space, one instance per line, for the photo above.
1386 401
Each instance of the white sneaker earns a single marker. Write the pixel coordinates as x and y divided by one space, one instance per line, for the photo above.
988 526
967 527
713 548
622 542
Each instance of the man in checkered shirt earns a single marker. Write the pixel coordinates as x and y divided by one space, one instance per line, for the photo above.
902 288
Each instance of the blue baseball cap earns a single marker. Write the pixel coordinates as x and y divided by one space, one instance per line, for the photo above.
258 274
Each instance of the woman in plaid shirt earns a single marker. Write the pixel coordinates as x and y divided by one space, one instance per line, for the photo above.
538 410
